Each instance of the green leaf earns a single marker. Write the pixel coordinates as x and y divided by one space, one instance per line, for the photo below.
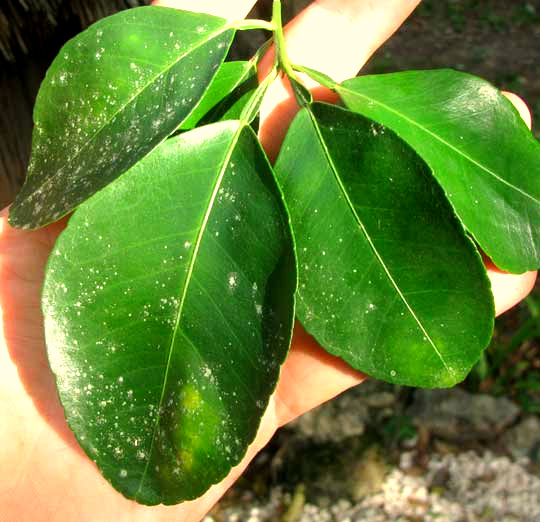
388 280
478 147
168 311
226 94
112 94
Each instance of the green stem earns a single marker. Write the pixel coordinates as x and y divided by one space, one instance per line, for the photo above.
261 51
247 25
254 104
282 61
282 58
319 77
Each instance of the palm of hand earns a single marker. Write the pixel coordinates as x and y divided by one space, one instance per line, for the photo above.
45 454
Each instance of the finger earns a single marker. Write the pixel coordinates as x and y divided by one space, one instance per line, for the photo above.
510 289
229 10
332 36
309 367
337 37
521 106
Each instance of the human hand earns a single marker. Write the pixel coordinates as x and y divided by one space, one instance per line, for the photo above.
45 475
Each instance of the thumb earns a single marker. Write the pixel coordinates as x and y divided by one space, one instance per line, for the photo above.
521 107
510 289
335 37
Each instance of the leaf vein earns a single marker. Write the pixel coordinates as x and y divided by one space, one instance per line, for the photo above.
444 142
371 244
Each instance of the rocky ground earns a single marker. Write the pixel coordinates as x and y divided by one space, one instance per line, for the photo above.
382 453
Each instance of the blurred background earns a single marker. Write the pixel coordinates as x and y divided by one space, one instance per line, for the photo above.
378 452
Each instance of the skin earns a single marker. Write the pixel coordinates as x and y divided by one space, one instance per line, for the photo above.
45 475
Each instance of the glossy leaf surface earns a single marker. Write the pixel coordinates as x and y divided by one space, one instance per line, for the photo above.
387 278
111 95
223 97
478 147
168 311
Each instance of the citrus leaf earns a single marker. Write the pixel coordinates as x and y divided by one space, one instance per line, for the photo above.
168 311
232 81
388 280
111 95
478 147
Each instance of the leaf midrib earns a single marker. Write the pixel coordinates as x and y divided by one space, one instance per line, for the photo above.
186 285
149 84
441 140
370 242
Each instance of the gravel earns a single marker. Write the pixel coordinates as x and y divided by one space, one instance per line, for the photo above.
475 488
473 459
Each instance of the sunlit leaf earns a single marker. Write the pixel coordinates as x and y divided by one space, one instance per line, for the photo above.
111 95
388 280
223 99
478 147
168 311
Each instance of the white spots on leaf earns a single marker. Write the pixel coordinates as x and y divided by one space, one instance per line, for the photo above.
393 373
63 78
123 473
225 195
187 244
141 454
232 281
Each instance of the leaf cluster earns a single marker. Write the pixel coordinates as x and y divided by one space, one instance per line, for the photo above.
169 299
